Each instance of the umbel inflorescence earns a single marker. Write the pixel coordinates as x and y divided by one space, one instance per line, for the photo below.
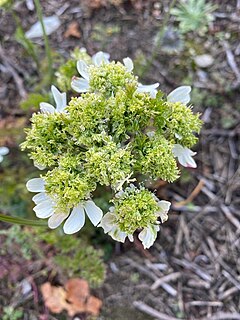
115 133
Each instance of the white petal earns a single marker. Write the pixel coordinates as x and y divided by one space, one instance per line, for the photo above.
187 161
153 94
164 205
148 89
177 150
4 151
75 221
36 185
108 222
40 197
130 237
94 212
39 166
1 158
47 107
44 209
60 98
50 23
82 68
180 94
118 235
164 208
184 156
56 219
80 84
128 64
148 236
100 57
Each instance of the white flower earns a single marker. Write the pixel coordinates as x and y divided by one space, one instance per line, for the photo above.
109 225
184 156
3 152
47 208
180 94
59 98
82 84
148 235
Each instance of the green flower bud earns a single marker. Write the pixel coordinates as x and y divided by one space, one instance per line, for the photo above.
109 164
109 78
135 208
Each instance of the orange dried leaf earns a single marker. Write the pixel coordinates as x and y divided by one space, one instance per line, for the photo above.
54 297
75 298
93 305
77 290
73 31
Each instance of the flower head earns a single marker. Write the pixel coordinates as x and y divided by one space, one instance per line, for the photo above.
113 133
135 209
82 84
46 207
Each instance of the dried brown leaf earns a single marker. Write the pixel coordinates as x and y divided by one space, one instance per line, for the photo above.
73 30
93 305
74 298
54 297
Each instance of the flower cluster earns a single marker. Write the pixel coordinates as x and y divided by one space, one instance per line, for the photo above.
114 132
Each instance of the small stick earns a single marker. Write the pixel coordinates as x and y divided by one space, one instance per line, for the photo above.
231 279
204 303
152 312
151 275
167 278
193 195
231 61
230 216
224 316
227 293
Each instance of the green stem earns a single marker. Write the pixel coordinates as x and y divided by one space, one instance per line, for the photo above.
46 42
30 47
159 37
22 221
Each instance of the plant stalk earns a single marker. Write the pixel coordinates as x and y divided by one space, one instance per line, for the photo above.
46 41
22 221
159 37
